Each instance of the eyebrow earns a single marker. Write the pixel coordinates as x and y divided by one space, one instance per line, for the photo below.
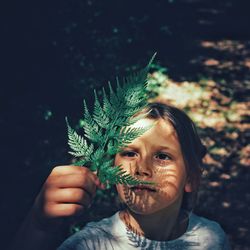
167 148
133 147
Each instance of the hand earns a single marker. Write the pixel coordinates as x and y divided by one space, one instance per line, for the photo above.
67 192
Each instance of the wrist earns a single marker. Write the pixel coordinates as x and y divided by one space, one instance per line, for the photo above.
45 225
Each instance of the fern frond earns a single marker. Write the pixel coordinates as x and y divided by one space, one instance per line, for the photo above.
88 120
107 107
99 115
114 100
80 163
129 134
116 175
107 129
77 143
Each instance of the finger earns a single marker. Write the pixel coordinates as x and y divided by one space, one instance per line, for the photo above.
69 169
83 181
70 180
69 195
55 210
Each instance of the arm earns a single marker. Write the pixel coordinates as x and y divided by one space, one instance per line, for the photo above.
31 236
67 193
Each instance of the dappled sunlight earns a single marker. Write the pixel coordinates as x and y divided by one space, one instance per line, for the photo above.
223 64
211 62
219 151
208 159
247 63
203 102
245 156
231 46
145 201
228 65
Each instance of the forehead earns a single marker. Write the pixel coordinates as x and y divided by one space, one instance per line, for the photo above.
157 124
161 130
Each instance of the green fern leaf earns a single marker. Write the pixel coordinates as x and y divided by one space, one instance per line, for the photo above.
80 163
118 175
108 129
77 143
100 117
107 107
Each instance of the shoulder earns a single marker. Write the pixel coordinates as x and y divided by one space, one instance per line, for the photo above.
209 232
91 235
205 226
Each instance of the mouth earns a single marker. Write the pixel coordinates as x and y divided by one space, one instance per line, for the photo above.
142 188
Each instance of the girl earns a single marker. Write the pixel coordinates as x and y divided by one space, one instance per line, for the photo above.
156 216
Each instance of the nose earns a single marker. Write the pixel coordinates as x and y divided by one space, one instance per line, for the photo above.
143 168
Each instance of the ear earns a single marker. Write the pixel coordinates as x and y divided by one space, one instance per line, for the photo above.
188 187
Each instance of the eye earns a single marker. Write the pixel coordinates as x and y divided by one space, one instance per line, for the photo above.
128 153
163 156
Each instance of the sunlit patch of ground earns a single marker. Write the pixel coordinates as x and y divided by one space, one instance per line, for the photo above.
226 45
227 60
203 102
236 55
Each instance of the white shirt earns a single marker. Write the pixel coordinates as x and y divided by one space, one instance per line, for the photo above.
112 233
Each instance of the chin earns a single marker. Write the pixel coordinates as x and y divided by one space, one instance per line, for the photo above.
142 212
146 209
144 202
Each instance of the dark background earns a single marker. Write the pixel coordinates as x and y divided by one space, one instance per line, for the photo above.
53 54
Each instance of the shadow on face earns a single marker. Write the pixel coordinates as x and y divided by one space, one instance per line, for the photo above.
151 198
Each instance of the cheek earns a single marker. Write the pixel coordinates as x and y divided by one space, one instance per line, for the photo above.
119 189
170 180
125 164
116 160
121 192
119 161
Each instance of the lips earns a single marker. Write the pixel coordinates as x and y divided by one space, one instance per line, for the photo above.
139 188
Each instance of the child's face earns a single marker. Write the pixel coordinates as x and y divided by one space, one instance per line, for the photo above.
155 156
